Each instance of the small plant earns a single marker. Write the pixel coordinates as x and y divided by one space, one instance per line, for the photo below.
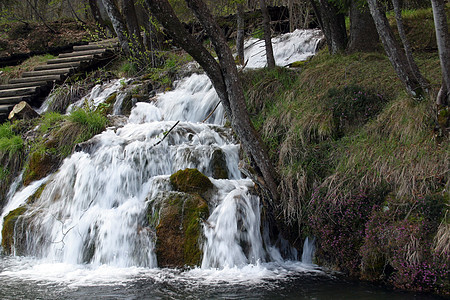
9 142
92 122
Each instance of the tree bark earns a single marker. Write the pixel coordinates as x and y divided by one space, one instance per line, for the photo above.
95 11
118 24
333 26
408 52
240 33
224 77
395 54
443 43
363 33
267 34
129 13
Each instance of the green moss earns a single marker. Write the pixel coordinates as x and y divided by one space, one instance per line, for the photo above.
9 223
40 164
190 181
179 229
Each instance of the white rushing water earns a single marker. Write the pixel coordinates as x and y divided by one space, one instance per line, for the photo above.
287 48
91 215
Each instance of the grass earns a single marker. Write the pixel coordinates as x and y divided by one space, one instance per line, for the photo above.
343 133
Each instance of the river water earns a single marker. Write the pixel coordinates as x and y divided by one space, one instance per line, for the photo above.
86 236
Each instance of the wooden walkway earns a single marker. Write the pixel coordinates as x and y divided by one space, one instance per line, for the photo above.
34 86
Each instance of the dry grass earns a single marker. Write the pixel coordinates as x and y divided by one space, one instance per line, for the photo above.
442 238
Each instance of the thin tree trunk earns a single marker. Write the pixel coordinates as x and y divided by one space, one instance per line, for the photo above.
40 17
97 15
363 33
291 15
333 23
118 24
129 13
224 77
408 52
74 13
395 54
240 33
267 34
443 43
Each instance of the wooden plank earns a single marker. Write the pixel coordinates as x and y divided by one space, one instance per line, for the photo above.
19 91
70 59
14 100
36 79
6 108
73 64
82 53
21 85
113 40
63 71
108 46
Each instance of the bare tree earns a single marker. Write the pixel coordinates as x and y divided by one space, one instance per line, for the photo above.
267 34
394 52
443 42
129 13
240 33
224 77
407 48
363 33
118 24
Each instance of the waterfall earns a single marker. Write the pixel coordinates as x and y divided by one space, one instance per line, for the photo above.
308 250
94 209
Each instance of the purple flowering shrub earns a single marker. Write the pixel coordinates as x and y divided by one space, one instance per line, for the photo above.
339 229
399 248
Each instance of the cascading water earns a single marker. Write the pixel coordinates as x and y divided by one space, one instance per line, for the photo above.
93 211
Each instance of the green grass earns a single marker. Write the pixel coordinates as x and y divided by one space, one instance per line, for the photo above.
9 142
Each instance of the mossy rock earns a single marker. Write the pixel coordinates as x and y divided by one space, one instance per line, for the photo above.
179 231
40 165
190 181
9 223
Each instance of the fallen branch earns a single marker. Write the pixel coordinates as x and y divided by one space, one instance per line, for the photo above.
210 114
166 134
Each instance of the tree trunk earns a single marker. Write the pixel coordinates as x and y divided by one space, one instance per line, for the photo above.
291 15
443 43
408 52
363 33
95 11
395 54
129 13
267 34
240 33
22 110
224 77
333 23
118 24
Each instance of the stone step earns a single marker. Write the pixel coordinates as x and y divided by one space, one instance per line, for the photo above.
108 46
36 79
81 53
19 91
73 64
13 100
21 85
63 71
70 59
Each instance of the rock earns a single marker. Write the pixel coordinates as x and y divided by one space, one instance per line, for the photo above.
9 225
178 229
190 181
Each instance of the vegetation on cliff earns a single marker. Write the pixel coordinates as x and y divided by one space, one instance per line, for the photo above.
364 167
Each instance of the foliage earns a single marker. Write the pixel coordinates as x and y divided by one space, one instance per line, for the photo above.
9 142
